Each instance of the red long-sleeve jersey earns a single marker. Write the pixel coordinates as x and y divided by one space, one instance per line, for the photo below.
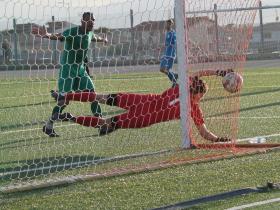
142 109
146 109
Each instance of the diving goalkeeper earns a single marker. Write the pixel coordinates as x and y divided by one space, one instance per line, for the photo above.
147 109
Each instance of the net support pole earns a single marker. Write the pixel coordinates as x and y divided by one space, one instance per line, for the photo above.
261 27
132 37
181 35
54 43
216 30
15 41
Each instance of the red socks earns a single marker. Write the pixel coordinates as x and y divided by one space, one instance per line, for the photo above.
88 121
82 96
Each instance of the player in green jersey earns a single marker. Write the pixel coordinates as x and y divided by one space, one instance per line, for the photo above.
73 76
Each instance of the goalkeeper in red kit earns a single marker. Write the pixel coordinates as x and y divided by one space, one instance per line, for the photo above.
147 109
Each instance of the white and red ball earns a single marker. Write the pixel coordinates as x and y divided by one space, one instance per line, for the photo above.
232 82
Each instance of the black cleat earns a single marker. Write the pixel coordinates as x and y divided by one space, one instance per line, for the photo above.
98 115
174 82
176 76
106 129
56 95
66 117
50 132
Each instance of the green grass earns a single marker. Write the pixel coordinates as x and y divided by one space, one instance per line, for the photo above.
25 104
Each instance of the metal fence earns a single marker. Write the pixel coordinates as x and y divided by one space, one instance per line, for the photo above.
265 42
25 50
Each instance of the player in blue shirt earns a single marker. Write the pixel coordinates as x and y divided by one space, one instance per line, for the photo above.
167 60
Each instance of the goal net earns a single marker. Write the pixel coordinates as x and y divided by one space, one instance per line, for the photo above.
32 65
218 35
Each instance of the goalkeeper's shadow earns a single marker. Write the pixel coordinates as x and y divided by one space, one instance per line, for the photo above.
245 109
241 95
17 143
45 166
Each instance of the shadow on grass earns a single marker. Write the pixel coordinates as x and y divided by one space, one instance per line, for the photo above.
36 167
46 166
21 125
206 99
242 95
7 127
246 109
40 140
24 105
25 125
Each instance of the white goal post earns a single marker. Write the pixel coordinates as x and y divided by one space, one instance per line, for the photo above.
180 19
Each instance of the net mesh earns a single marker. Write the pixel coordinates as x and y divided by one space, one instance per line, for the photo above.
130 63
218 37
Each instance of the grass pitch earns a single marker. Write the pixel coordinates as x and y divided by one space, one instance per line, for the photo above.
25 104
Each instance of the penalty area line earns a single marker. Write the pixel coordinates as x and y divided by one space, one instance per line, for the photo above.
259 203
206 199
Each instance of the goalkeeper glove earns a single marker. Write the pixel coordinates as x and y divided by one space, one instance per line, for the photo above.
222 139
223 73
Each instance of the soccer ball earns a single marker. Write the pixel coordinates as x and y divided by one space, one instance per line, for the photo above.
232 82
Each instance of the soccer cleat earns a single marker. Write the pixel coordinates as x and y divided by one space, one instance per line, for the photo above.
50 132
66 117
97 115
106 129
176 76
56 95
174 82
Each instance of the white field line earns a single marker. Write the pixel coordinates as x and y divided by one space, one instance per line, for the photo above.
135 78
262 86
244 117
135 91
100 80
33 95
211 118
250 87
264 136
259 203
34 129
260 73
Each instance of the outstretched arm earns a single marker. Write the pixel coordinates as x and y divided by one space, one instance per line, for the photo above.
208 135
42 32
205 133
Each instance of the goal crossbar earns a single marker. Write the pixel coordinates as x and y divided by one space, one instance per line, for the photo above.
234 9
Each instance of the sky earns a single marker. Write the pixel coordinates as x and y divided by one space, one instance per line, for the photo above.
109 13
